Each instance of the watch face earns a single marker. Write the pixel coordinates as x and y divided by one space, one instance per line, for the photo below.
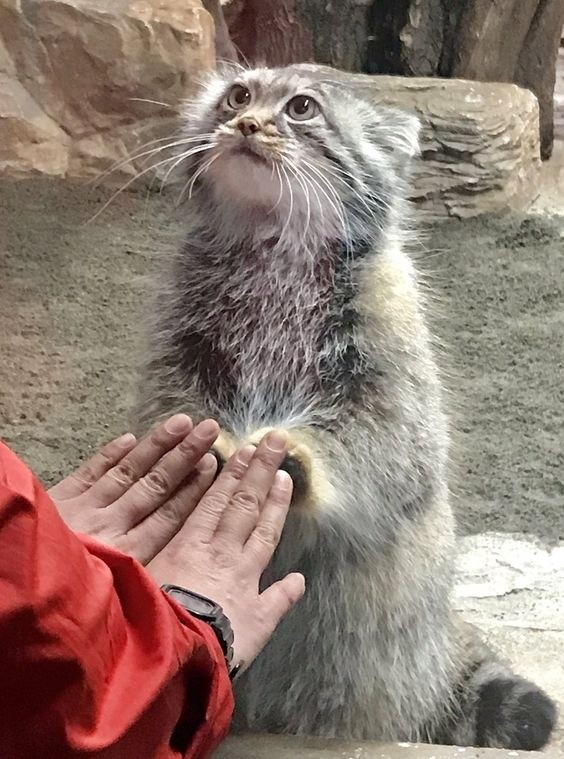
199 605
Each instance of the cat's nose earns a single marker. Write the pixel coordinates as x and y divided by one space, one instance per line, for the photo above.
248 125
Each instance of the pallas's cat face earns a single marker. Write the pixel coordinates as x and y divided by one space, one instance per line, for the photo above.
294 142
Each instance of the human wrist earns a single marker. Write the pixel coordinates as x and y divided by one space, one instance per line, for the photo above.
208 611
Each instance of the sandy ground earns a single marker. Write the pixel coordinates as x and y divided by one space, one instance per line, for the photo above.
72 294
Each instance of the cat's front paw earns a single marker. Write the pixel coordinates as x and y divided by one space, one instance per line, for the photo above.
300 477
223 448
311 486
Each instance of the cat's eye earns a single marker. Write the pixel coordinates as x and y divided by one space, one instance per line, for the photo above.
302 108
238 97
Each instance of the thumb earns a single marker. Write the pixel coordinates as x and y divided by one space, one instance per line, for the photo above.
276 601
280 597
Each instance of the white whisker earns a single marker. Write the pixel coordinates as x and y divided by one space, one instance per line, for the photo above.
288 220
130 182
183 157
154 102
276 166
334 170
152 151
295 170
314 187
201 170
336 204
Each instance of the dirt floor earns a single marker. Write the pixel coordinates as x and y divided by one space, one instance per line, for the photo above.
72 296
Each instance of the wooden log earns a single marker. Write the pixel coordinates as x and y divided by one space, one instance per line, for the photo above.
224 48
279 32
490 37
406 37
271 32
339 31
536 67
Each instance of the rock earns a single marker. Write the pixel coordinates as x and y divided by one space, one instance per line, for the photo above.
78 77
479 142
30 141
511 580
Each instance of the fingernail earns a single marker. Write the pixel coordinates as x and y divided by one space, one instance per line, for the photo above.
126 440
208 462
206 429
283 480
178 424
276 441
245 455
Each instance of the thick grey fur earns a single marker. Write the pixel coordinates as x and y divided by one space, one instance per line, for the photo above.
277 312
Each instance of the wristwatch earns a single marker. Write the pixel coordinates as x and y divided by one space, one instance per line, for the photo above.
208 611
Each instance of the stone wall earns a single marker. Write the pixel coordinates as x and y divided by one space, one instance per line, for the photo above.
75 76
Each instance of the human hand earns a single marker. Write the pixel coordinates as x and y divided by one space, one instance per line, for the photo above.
135 496
227 541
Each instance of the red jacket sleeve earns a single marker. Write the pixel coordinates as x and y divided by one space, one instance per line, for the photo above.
95 660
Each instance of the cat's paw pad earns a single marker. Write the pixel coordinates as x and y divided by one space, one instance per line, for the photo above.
220 461
298 463
299 474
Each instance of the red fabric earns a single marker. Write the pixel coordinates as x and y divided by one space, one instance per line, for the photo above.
95 660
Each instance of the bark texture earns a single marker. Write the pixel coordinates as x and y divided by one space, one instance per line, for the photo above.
270 32
538 59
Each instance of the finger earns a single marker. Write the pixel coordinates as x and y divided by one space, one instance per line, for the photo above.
139 461
206 516
266 535
278 600
93 469
249 497
152 490
151 535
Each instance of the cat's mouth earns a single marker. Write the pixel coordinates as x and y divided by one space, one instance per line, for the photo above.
244 149
248 173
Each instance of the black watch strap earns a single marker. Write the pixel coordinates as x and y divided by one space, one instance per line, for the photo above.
208 611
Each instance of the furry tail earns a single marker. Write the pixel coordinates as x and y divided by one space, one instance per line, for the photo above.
492 707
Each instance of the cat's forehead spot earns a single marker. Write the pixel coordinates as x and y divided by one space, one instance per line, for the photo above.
277 84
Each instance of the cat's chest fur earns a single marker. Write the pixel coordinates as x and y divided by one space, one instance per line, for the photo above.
260 318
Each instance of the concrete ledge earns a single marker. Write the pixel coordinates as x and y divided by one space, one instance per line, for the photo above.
286 747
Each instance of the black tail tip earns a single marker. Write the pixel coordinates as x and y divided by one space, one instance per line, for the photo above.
514 714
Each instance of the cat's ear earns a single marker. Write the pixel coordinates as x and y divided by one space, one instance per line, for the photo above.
402 132
227 69
396 133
